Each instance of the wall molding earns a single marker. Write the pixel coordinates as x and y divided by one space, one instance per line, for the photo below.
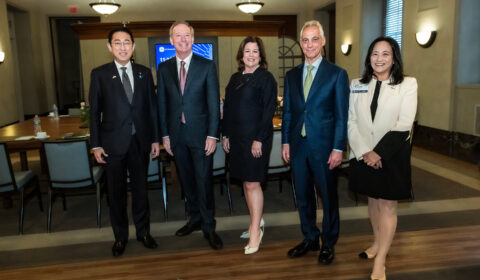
450 143
88 31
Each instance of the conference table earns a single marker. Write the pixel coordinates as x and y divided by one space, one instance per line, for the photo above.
19 137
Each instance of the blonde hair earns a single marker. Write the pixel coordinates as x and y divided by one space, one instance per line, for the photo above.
178 23
311 23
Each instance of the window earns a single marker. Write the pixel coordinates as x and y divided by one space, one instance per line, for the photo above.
393 20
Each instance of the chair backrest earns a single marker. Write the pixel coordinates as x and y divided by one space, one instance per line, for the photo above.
219 160
219 157
276 163
68 164
7 181
153 170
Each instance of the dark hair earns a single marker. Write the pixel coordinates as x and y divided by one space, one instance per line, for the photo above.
119 29
261 49
397 68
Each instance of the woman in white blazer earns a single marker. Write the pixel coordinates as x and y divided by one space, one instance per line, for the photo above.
382 109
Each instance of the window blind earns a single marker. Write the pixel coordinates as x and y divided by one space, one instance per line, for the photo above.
393 20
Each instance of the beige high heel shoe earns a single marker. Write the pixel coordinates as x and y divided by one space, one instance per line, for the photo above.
384 277
246 234
249 250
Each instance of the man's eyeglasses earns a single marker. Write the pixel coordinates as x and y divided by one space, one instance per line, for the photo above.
126 44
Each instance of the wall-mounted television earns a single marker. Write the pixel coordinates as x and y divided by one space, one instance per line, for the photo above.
164 52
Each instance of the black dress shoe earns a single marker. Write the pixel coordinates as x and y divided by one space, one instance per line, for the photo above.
303 248
118 248
187 229
326 255
148 241
214 240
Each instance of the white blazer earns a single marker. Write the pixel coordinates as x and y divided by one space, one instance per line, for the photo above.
397 106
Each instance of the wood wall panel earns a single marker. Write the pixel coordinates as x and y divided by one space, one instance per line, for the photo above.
202 28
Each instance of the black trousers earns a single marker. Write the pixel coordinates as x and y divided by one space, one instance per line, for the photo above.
194 170
136 162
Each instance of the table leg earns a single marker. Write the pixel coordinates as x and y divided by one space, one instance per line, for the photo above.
23 160
7 202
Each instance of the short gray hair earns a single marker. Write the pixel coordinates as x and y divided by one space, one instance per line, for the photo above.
311 23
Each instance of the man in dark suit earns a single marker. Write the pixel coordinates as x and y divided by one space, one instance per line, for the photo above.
314 131
189 107
123 131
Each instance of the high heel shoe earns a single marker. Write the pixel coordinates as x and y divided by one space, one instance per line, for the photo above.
384 277
249 250
366 255
246 234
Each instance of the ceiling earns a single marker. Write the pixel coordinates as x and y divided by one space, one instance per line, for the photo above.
168 9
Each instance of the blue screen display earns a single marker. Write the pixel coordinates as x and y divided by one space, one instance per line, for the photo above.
164 52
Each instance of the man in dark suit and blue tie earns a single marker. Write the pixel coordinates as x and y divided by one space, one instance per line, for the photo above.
314 133
189 107
123 131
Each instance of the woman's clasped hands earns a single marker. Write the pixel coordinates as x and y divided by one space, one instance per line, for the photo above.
372 159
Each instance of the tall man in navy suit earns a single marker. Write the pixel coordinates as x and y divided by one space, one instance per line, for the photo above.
123 131
314 132
189 106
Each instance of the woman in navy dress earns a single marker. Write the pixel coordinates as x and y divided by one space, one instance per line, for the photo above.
250 101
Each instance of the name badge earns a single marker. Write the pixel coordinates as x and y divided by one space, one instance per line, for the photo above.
358 87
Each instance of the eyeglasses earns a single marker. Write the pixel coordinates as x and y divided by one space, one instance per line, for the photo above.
126 44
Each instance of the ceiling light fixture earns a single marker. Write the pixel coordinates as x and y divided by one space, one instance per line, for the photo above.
250 6
105 7
2 57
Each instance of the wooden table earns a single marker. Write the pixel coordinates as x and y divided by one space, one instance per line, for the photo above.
277 122
55 128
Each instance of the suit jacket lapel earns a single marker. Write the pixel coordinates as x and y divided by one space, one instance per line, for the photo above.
386 92
117 81
298 77
192 68
136 80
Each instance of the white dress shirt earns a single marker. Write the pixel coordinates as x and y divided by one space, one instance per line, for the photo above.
187 61
129 72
